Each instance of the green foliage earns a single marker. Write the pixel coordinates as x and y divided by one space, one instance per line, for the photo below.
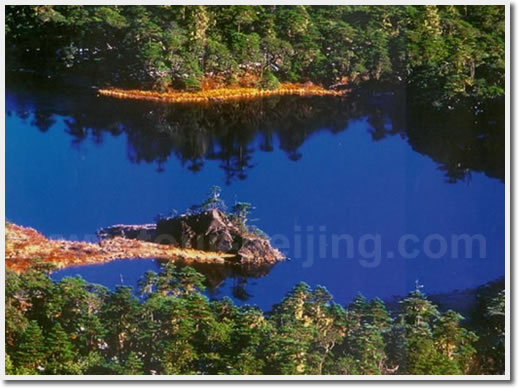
133 365
240 212
9 369
443 53
213 201
174 329
269 81
60 353
192 84
492 335
30 353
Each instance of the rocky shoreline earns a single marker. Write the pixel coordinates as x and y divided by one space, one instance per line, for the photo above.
208 237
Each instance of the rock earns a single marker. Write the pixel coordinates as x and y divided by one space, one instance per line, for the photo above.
210 230
258 250
145 232
187 235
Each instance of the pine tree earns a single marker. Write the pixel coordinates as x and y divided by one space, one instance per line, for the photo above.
378 315
417 317
133 365
288 350
189 281
418 313
147 283
492 343
60 352
30 354
358 310
454 341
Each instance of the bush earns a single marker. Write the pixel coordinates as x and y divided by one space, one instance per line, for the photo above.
192 84
269 81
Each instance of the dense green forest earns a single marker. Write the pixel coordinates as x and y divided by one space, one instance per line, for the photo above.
170 327
442 53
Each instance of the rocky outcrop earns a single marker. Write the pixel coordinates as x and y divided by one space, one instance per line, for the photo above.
211 230
257 250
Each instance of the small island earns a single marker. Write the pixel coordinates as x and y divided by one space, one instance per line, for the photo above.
206 233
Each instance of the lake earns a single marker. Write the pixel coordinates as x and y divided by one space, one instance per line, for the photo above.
362 193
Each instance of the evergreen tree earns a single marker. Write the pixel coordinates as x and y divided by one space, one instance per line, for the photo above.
417 316
455 342
133 365
60 352
492 338
176 330
30 354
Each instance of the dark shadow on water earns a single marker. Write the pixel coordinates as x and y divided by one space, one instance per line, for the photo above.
127 272
462 140
238 275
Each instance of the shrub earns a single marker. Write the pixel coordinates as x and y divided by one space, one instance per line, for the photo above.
269 81
192 84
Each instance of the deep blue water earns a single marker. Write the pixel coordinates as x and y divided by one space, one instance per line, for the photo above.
76 163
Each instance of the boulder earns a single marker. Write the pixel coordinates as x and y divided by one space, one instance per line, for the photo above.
258 250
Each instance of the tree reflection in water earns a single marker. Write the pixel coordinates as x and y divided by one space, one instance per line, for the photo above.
237 275
459 140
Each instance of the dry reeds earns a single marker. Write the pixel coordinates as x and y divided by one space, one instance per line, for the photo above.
25 245
221 94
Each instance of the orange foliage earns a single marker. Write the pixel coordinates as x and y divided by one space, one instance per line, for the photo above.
209 94
26 246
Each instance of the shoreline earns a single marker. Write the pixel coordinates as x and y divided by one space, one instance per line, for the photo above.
26 247
219 94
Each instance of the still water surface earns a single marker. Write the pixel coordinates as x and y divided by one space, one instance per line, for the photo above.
365 167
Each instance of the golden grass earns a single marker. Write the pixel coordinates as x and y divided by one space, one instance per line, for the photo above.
25 246
221 94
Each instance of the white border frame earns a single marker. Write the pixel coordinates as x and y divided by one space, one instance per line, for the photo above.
508 252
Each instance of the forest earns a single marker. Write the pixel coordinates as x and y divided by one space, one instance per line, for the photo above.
442 54
168 326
